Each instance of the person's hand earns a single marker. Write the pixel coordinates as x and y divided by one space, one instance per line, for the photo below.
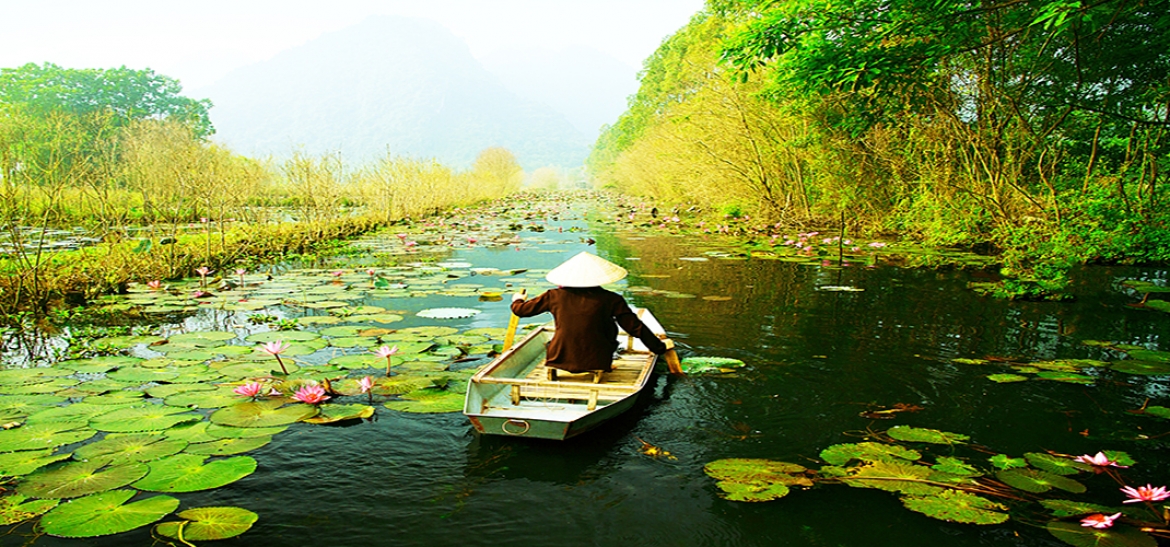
662 336
518 297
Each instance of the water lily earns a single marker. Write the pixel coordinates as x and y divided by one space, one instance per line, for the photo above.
275 348
371 272
1145 493
250 389
401 236
240 272
385 352
365 385
1099 520
155 285
1100 460
411 243
311 394
203 272
877 244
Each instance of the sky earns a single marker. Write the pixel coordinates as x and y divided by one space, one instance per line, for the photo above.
199 42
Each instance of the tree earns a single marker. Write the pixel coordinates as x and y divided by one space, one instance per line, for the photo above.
125 93
498 171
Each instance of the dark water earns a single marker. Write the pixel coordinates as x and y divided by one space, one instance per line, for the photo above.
816 360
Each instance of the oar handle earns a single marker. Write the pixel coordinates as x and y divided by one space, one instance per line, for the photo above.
510 335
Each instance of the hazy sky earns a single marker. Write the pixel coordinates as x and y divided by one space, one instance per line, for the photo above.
198 42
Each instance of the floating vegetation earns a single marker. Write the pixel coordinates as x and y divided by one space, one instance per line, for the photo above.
708 365
954 489
208 523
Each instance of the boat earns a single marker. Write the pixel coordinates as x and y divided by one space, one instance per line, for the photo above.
515 395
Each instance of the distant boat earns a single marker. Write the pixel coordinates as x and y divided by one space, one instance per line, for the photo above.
514 396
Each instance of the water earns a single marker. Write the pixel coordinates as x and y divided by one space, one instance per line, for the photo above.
816 361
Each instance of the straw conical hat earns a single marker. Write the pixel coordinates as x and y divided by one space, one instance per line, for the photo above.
585 270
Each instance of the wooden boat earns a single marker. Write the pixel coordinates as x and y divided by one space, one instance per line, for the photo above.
514 395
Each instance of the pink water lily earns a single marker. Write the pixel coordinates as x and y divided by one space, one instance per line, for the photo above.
371 272
1100 460
385 352
240 272
311 394
275 348
250 389
365 384
203 272
1145 493
155 285
1100 521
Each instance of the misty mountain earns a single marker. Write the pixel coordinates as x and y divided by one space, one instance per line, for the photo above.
587 86
389 83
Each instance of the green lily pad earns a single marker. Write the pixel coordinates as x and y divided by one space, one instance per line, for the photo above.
330 414
204 338
142 375
1056 464
957 506
893 476
702 365
955 466
1118 536
354 341
52 386
840 454
1143 354
1033 480
257 369
141 447
229 432
143 418
99 364
209 523
42 436
116 398
1066 377
15 464
1006 378
1144 368
360 361
74 413
164 391
75 479
428 401
227 447
341 332
1158 411
189 473
190 432
1069 508
104 514
36 375
754 480
263 414
916 434
287 336
183 353
15 508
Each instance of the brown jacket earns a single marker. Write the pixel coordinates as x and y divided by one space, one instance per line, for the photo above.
587 320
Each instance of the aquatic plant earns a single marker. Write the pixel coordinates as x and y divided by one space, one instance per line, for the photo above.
311 394
386 352
275 348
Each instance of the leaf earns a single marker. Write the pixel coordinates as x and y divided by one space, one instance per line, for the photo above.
143 418
49 435
892 476
429 401
1033 480
1144 368
841 454
1158 411
701 365
209 523
1003 461
76 479
1082 536
915 434
16 508
330 414
1006 378
189 473
957 506
104 514
1056 464
745 469
1069 508
263 414
752 490
129 448
227 447
955 466
24 462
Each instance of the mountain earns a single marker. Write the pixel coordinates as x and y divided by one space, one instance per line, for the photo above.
388 83
585 85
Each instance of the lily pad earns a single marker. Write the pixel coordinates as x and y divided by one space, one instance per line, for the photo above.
429 401
957 506
190 432
227 447
955 466
1033 480
209 523
104 514
840 454
701 365
189 473
893 476
283 336
75 479
228 432
39 437
934 436
1056 464
1069 508
143 418
70 414
15 464
99 364
16 508
1144 368
1082 536
142 375
140 447
1006 378
203 338
263 414
164 391
330 414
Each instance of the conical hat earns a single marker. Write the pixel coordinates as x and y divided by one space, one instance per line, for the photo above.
585 270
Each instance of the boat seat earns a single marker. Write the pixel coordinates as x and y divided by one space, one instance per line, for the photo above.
552 374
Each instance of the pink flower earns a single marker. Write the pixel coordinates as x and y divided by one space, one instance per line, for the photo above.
154 285
276 347
1100 460
241 271
1145 493
411 243
203 220
401 236
386 351
338 273
877 244
311 394
365 384
371 272
471 240
1100 521
203 271
250 389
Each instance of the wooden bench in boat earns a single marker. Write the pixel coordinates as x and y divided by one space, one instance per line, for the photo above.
623 380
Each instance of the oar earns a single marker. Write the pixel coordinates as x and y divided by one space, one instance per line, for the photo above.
671 357
514 322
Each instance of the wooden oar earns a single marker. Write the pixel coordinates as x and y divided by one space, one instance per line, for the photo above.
671 357
510 335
